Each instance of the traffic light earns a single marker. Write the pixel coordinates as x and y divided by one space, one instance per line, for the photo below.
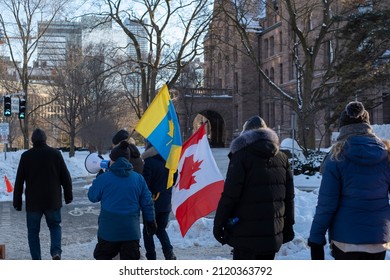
22 109
7 105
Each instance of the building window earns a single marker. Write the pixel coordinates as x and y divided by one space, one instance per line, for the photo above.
291 70
272 111
219 63
266 112
271 46
235 53
265 48
227 63
272 74
236 126
235 82
281 73
280 41
328 53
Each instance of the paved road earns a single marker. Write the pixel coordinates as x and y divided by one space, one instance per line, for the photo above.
79 225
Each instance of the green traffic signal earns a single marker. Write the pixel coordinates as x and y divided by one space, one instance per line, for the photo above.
22 109
7 106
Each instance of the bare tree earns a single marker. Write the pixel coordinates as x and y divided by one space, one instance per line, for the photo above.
17 21
170 37
83 91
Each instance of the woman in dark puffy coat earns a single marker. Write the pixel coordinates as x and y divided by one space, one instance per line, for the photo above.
259 191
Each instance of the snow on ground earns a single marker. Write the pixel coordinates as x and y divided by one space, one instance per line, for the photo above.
199 242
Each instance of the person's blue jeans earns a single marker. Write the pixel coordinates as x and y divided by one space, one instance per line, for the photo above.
162 219
53 221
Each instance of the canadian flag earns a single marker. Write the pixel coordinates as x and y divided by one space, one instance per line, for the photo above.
199 183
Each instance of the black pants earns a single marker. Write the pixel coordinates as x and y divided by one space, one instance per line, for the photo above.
107 250
245 254
340 255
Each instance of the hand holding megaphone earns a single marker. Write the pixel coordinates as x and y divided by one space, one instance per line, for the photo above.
95 162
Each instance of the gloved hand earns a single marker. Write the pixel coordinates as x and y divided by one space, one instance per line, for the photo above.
18 208
150 227
288 234
316 251
101 171
67 201
219 234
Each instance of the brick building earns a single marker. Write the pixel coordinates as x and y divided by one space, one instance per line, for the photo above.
262 64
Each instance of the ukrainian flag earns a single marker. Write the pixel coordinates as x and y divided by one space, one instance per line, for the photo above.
160 126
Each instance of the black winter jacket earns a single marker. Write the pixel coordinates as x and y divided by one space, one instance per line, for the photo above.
259 190
156 177
44 171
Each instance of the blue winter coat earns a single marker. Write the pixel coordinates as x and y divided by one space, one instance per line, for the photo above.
123 193
353 202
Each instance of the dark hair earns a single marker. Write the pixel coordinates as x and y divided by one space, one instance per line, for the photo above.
254 122
121 150
120 136
38 136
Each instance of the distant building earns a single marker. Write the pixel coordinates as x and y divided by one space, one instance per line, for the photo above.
139 31
58 37
133 79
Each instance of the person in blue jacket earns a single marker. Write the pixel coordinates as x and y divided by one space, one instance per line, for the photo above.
353 202
122 193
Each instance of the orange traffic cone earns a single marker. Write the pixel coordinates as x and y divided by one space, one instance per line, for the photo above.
8 184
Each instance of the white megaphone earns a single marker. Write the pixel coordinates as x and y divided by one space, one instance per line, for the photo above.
93 163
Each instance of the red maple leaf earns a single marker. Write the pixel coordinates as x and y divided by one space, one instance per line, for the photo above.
187 177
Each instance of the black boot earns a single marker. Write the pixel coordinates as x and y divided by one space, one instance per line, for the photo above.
150 255
170 255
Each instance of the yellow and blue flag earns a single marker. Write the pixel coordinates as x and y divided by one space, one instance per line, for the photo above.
160 126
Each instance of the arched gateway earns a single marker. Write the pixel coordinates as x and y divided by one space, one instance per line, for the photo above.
194 106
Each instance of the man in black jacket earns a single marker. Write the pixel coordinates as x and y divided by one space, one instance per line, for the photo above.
255 214
43 170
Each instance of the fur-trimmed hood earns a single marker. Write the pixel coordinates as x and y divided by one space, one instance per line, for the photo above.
262 140
150 152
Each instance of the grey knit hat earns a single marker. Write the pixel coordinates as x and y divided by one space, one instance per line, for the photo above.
353 113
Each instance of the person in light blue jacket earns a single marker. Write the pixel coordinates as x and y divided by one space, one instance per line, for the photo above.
123 194
353 202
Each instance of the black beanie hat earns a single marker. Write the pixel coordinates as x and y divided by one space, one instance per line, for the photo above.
120 136
254 122
121 150
353 113
38 136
